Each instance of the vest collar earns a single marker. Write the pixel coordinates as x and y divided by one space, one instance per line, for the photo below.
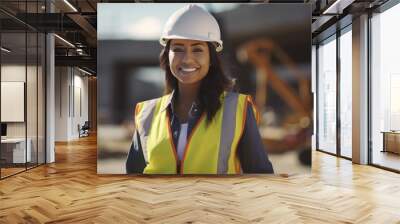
195 109
169 101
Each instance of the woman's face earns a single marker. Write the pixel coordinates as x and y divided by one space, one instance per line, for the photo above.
189 60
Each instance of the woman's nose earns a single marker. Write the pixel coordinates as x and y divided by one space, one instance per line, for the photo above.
187 57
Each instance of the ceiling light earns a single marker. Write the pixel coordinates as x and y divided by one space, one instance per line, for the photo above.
65 41
5 50
86 72
338 6
70 5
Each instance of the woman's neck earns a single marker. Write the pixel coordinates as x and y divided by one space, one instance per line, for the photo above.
187 94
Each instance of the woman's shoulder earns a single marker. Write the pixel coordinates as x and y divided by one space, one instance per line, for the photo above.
148 101
235 94
247 102
153 100
234 97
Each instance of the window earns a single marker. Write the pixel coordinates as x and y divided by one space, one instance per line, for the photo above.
346 92
327 95
385 88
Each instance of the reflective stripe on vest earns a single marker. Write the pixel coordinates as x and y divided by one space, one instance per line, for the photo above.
143 123
210 149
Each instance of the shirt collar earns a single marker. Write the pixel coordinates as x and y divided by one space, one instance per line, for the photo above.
170 103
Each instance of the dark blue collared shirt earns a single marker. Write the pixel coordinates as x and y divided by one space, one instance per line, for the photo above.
251 152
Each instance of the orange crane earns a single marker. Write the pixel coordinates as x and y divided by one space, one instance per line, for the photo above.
295 129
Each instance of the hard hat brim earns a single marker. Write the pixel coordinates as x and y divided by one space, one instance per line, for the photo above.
218 44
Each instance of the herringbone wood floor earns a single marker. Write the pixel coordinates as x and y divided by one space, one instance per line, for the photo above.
70 191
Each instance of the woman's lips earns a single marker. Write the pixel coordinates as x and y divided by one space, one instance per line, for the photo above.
188 69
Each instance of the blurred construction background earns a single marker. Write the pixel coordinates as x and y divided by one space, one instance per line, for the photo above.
267 49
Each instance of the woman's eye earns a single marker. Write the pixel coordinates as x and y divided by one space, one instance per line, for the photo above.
177 50
197 50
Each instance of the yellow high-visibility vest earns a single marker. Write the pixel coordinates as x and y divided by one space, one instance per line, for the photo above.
210 149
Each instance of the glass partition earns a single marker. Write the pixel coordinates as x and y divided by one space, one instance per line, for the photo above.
13 108
41 87
22 88
327 95
31 99
346 93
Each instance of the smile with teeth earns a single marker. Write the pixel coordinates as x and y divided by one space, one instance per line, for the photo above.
188 69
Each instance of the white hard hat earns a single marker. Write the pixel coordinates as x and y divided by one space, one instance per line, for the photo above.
194 23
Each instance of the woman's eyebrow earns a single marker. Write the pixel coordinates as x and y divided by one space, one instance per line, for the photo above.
195 44
181 45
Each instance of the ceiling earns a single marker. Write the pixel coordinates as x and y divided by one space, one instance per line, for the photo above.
76 22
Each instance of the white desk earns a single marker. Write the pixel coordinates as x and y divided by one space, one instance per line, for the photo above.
18 150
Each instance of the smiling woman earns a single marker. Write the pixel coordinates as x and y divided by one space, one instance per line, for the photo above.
190 60
192 72
199 126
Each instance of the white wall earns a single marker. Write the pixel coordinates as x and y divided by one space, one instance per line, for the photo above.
14 73
17 73
62 81
12 101
71 93
79 115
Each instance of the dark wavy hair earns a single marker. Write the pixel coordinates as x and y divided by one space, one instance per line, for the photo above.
212 85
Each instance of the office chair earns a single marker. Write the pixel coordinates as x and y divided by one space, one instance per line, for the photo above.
84 130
